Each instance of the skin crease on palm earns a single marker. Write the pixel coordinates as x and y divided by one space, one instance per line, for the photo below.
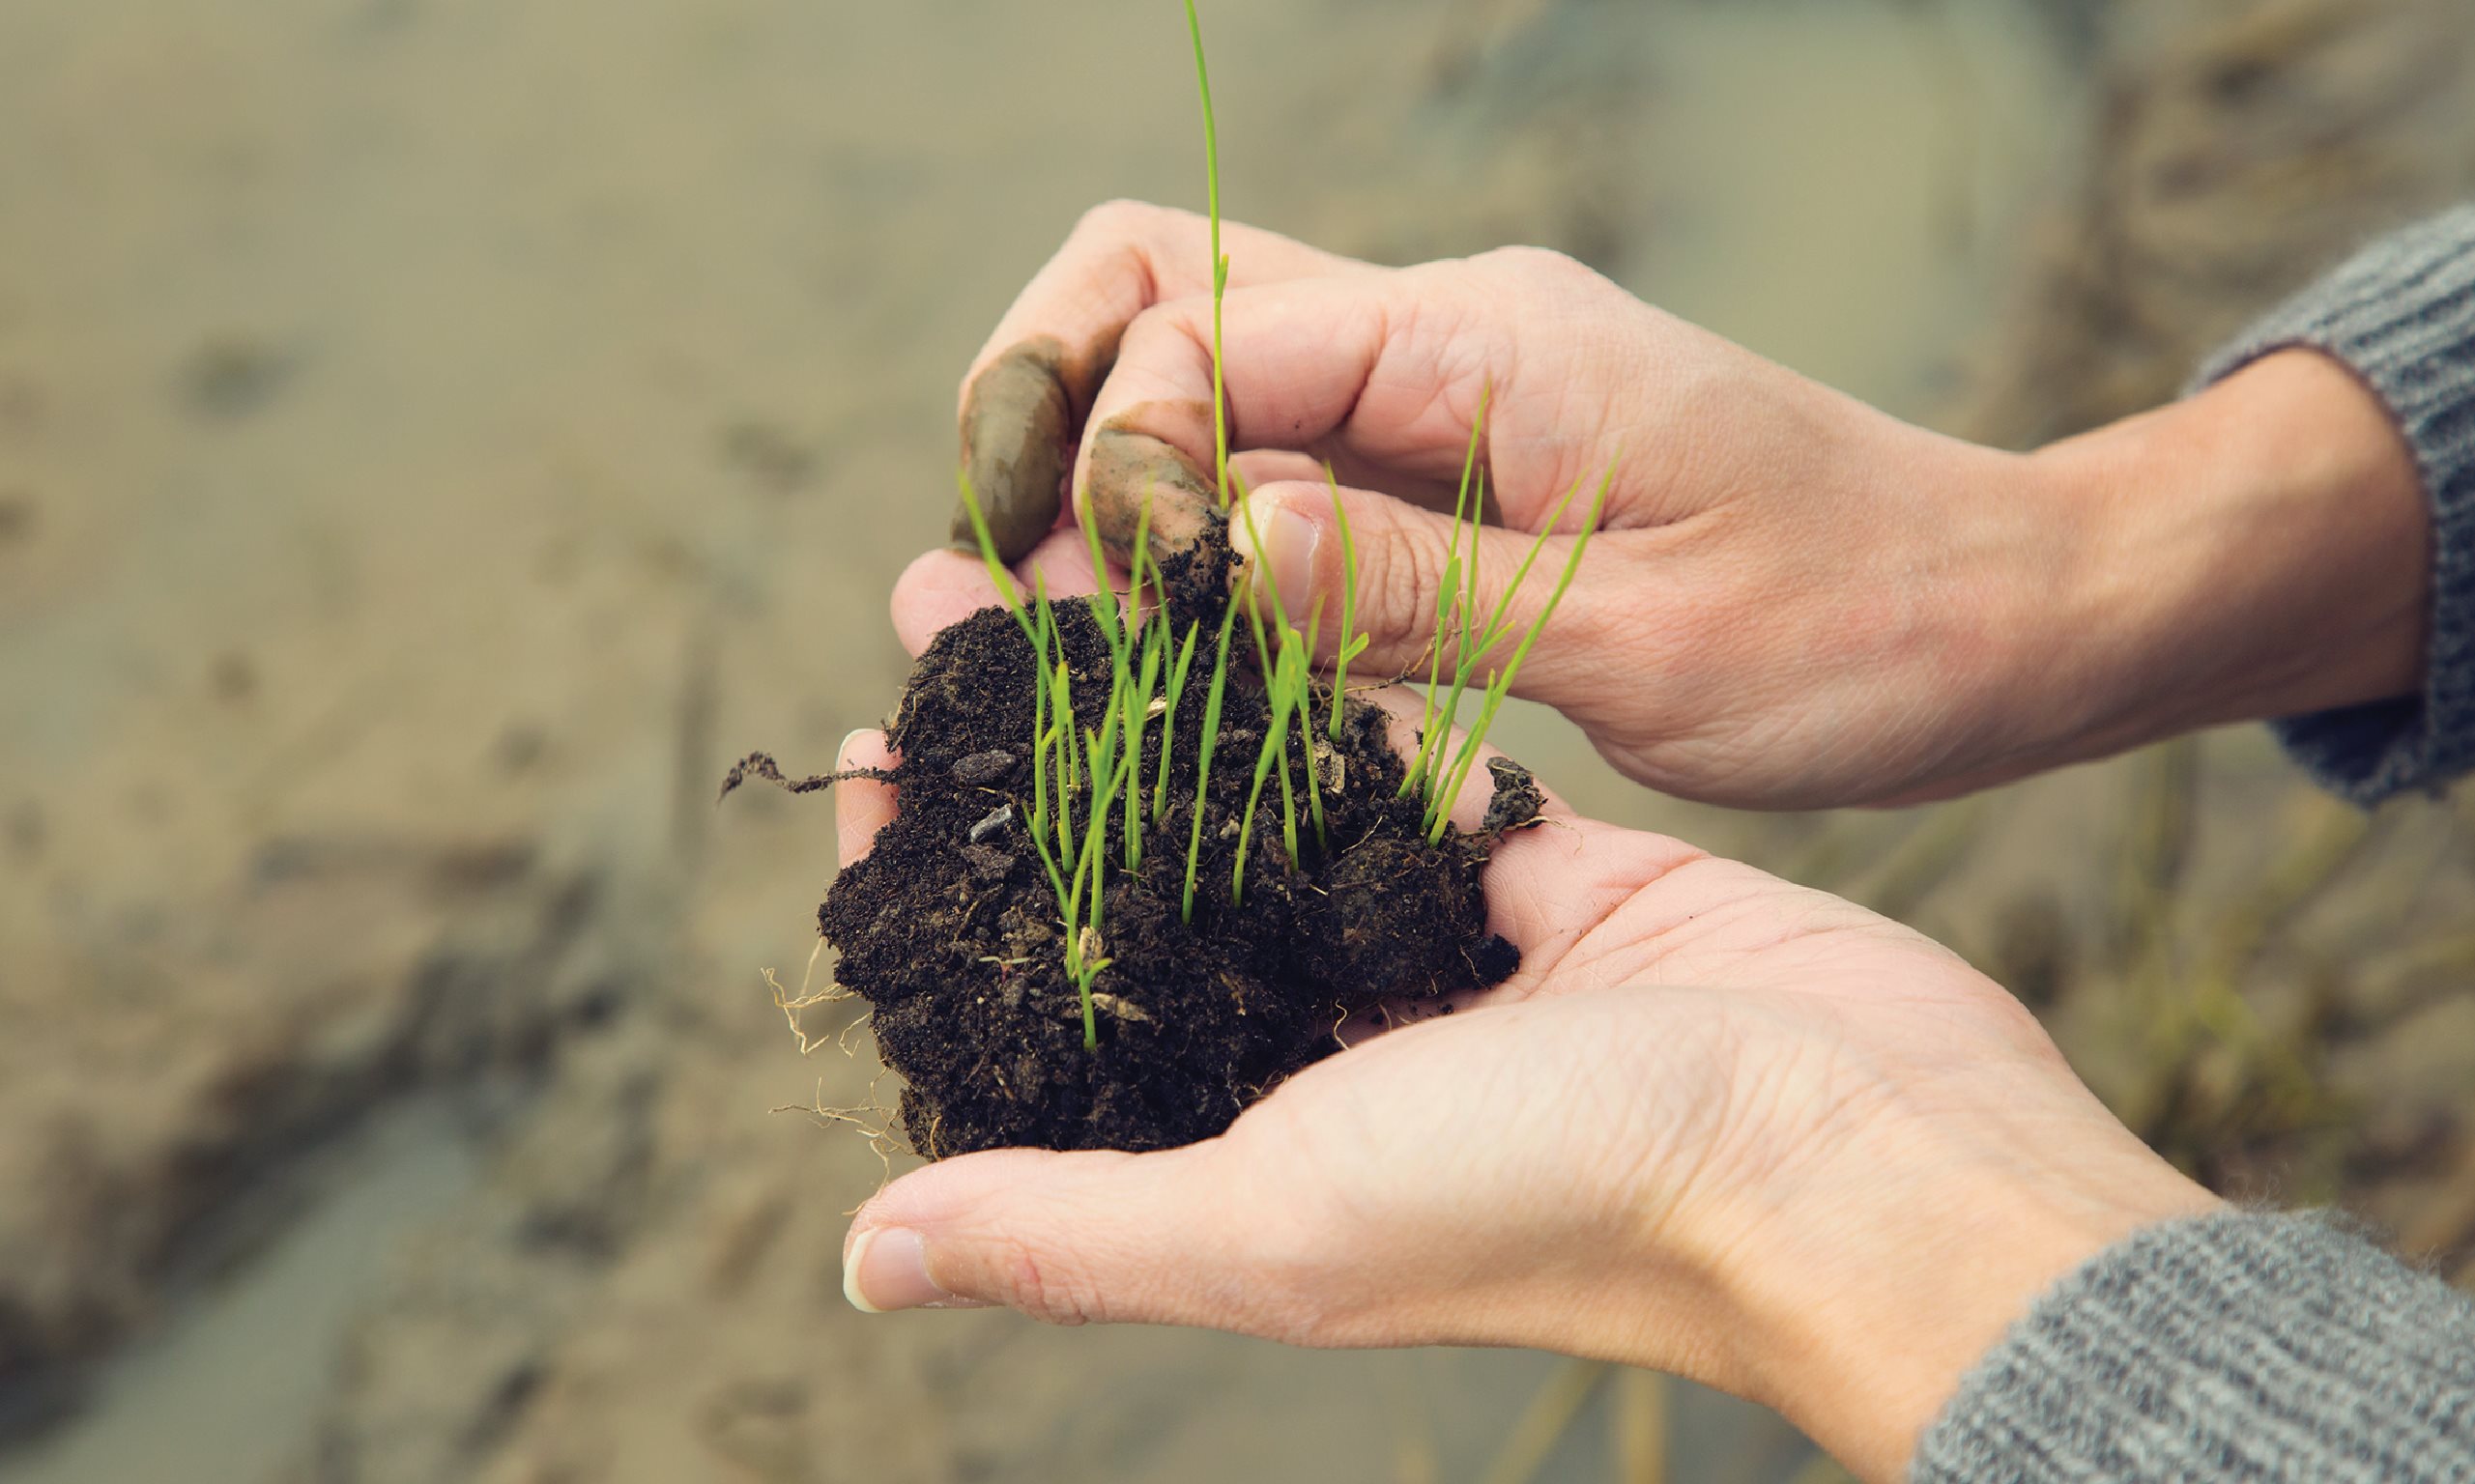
1718 1125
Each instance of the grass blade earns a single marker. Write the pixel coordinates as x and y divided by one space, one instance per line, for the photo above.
1448 601
1177 673
1440 804
1203 754
1348 608
1219 263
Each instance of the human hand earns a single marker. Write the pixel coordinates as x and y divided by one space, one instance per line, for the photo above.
1716 1125
1797 600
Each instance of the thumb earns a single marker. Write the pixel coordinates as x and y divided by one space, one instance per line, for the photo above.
1289 535
1167 1238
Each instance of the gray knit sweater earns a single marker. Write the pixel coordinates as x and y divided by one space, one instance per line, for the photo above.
2259 1346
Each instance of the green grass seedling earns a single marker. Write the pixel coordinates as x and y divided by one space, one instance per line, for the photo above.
1146 678
1224 484
1306 647
1352 642
1220 262
1439 807
1448 598
1212 700
1136 699
1150 667
1470 644
1175 693
1290 673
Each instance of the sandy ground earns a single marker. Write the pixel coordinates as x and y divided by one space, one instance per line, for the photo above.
435 433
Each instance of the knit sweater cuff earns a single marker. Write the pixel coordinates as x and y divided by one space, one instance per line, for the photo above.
2402 315
2234 1346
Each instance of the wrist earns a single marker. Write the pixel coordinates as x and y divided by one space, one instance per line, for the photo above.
1867 1325
2262 549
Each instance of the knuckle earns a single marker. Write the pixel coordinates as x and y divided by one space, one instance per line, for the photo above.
1166 350
1527 262
1545 280
1397 583
1119 220
1154 324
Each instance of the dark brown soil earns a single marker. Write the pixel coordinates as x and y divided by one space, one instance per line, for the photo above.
956 942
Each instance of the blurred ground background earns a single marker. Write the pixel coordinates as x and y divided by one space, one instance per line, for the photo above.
435 433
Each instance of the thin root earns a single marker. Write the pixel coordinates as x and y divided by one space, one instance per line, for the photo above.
871 1118
762 765
858 1023
791 1006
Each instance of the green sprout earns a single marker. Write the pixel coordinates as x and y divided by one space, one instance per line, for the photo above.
1448 598
1352 643
1174 693
1220 262
1280 692
1136 700
1446 779
1212 700
1306 728
1089 793
1219 458
1289 680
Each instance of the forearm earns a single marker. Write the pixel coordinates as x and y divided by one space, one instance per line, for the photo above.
2298 541
2261 550
2030 1296
2237 1347
1979 1196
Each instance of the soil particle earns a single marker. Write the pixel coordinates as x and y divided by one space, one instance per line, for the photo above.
1517 802
960 952
988 863
984 768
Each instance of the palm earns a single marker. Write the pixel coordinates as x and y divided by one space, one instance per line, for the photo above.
1685 1036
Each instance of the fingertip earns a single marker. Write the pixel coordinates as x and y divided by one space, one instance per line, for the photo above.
1278 537
864 747
916 1242
862 806
1551 884
937 589
1069 1237
886 1270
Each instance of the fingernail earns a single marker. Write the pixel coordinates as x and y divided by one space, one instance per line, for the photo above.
841 752
887 1269
1287 561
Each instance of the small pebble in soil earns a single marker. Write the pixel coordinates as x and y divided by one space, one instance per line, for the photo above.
995 820
979 769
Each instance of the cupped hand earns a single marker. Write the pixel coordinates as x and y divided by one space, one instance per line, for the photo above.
1716 1125
1795 600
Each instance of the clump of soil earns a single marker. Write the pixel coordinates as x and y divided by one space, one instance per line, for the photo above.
949 928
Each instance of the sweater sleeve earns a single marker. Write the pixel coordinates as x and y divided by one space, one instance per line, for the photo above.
2238 1347
2402 315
